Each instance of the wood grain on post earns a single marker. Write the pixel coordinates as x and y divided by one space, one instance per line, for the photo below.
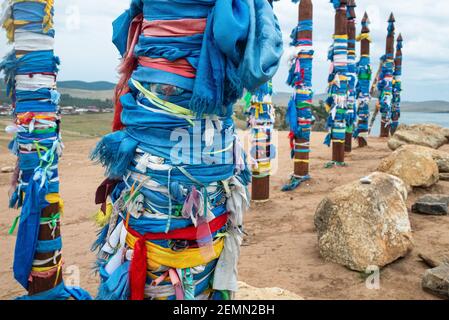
305 12
260 188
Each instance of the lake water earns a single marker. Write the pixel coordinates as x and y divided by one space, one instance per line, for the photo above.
441 119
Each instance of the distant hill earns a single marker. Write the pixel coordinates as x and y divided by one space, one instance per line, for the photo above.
91 86
101 90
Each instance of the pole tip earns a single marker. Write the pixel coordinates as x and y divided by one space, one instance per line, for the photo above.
365 17
400 37
392 19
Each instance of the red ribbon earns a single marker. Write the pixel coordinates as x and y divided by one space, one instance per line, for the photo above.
180 67
126 68
138 267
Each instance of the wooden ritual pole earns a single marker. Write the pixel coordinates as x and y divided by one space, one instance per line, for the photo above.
352 74
340 93
260 187
364 75
299 112
38 253
397 87
386 81
302 158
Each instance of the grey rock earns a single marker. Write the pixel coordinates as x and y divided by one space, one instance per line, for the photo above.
434 198
444 176
436 281
432 204
434 209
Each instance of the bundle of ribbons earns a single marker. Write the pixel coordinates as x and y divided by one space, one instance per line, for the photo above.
397 86
176 189
385 83
351 113
30 72
299 113
364 74
336 103
261 117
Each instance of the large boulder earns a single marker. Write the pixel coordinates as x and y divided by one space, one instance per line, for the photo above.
365 223
428 135
413 165
441 157
247 292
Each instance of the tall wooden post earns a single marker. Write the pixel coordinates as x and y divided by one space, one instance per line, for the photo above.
352 74
338 86
261 121
302 156
261 118
30 73
386 81
300 106
397 86
364 73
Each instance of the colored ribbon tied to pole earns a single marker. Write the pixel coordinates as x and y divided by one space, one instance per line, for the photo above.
171 216
30 72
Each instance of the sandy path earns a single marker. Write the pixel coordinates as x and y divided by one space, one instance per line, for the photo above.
281 249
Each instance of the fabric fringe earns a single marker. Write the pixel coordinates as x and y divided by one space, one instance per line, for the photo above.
115 152
101 238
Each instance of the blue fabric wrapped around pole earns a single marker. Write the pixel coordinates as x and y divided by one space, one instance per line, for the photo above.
178 158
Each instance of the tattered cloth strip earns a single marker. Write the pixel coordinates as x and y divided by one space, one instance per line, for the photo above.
364 75
261 117
30 74
172 206
397 86
299 113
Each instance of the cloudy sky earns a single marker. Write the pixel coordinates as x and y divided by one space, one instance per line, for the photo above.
84 32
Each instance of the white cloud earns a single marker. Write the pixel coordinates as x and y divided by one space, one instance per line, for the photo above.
87 53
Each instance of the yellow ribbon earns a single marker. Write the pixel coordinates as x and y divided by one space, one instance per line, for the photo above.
158 256
55 198
364 36
164 105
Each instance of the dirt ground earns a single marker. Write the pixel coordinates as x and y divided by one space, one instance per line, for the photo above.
281 247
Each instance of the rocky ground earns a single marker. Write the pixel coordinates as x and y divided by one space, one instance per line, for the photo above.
281 248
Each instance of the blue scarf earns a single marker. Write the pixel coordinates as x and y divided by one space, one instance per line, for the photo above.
228 62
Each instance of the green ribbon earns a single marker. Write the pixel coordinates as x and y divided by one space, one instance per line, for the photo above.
335 164
14 225
53 219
